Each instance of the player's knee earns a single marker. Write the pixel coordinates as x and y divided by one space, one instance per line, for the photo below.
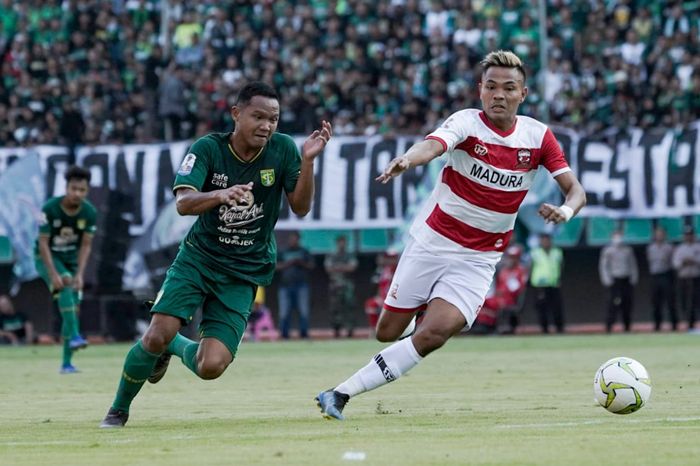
211 368
386 334
154 340
428 340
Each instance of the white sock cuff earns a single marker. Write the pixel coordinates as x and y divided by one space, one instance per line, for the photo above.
411 350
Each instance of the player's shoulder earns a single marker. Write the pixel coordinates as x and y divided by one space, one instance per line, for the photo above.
89 207
52 203
466 115
282 141
532 125
209 142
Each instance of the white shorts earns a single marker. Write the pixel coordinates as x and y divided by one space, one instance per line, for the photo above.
422 276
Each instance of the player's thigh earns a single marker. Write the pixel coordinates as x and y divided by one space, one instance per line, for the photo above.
225 313
182 292
391 324
43 272
416 274
464 285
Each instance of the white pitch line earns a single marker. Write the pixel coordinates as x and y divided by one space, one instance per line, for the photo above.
594 422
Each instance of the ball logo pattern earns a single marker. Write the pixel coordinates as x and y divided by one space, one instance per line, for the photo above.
622 385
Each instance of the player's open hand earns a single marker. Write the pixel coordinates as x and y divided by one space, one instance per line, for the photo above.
395 168
551 214
236 194
317 141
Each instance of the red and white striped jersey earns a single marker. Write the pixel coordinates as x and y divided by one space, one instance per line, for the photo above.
471 212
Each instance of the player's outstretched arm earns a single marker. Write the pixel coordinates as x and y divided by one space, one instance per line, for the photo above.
419 154
191 202
300 198
575 199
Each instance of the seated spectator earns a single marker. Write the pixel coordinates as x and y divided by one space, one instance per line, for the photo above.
15 329
506 297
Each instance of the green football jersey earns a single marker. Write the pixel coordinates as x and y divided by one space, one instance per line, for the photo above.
239 239
66 231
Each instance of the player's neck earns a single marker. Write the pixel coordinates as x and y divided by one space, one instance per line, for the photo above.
70 209
242 150
504 125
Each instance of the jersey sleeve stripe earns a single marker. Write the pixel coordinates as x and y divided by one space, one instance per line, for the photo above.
560 171
466 235
438 139
176 187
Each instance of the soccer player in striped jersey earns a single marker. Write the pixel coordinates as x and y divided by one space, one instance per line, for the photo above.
456 240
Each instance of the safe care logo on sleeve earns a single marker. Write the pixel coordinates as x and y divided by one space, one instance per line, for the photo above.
267 177
187 164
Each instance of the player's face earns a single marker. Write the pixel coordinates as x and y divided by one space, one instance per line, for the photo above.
76 192
257 120
502 90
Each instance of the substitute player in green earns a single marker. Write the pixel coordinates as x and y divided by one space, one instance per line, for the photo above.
234 182
61 254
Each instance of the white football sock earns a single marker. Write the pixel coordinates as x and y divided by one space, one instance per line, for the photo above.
384 367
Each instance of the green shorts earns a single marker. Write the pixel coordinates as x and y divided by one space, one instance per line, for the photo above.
62 268
65 302
226 301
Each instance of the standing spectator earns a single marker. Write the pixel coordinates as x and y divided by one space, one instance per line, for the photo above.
172 106
545 278
619 273
686 261
659 257
14 326
294 264
339 266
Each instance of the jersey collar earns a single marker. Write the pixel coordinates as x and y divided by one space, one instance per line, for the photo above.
492 127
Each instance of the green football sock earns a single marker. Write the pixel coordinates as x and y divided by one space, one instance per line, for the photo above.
186 349
137 367
67 352
68 325
67 305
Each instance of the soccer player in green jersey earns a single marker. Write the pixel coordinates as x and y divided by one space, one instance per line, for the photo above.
234 182
61 254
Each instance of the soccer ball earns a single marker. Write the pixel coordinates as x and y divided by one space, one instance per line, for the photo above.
622 385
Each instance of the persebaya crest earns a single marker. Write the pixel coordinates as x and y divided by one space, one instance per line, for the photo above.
267 177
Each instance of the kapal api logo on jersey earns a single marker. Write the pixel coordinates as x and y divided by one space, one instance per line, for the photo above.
480 150
523 159
187 164
241 212
267 176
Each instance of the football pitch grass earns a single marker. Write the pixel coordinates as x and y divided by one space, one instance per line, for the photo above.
481 401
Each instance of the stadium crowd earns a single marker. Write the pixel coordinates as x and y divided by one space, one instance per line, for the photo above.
121 71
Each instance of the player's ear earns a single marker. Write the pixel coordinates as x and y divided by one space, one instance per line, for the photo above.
524 95
235 112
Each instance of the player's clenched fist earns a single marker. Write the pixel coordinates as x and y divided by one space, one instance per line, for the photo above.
235 194
552 214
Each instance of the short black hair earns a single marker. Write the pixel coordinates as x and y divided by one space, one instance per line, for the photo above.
75 172
254 88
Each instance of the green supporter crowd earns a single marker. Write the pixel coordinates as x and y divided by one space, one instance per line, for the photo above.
124 71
